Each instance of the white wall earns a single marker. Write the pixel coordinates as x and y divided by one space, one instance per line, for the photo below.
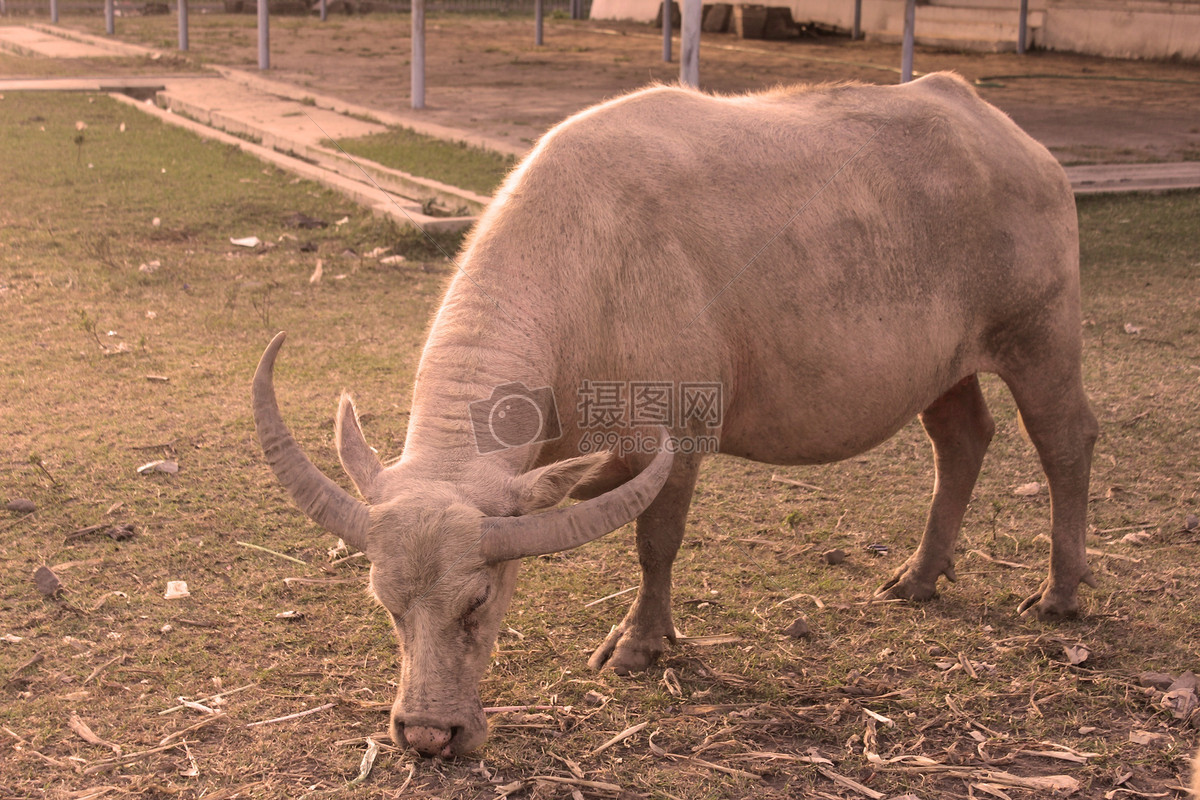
1112 28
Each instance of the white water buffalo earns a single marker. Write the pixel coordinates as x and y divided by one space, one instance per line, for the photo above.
794 275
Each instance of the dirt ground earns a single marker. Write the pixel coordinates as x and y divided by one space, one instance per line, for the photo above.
486 75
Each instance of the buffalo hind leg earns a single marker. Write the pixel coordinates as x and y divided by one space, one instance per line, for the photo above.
1056 415
641 637
960 428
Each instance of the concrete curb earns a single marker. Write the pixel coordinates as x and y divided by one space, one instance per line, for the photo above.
358 169
300 94
379 201
112 45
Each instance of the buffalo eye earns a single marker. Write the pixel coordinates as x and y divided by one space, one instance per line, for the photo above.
468 618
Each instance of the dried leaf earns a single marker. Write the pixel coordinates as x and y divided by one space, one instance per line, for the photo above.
1132 329
290 615
317 272
1138 537
169 467
1076 653
705 641
392 260
620 737
1028 489
1147 737
176 590
247 241
81 729
368 761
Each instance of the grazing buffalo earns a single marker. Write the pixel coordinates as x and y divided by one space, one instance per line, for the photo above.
788 277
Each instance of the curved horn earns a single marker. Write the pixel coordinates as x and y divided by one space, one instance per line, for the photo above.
508 538
325 503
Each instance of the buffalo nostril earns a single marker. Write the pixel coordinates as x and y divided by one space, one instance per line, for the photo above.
426 740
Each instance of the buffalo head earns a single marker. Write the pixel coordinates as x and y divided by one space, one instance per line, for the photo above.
444 553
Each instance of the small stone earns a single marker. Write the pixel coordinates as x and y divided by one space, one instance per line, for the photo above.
834 556
1158 680
1191 522
798 629
1187 681
21 505
47 582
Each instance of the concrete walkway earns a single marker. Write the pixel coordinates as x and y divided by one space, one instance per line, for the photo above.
297 130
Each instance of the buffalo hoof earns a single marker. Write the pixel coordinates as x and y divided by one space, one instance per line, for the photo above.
1055 602
906 584
624 652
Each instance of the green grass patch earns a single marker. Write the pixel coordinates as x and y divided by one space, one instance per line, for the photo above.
456 163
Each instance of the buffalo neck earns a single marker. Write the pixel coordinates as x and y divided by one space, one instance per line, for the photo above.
481 340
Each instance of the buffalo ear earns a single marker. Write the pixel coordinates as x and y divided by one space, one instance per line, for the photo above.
547 486
358 459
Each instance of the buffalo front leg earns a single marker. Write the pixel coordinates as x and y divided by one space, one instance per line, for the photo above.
641 637
960 429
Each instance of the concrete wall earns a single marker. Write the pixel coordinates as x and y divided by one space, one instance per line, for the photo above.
1112 28
1144 32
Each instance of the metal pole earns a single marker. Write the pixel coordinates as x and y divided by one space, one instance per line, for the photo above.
418 54
183 24
906 56
538 17
856 32
54 11
666 14
324 10
109 13
1022 30
264 35
689 56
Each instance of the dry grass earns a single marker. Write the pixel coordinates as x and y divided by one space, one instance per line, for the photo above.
955 698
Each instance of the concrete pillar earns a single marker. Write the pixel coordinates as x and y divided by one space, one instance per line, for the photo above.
856 31
538 23
689 56
1022 27
324 10
183 24
264 36
418 54
906 54
666 20
54 11
109 14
